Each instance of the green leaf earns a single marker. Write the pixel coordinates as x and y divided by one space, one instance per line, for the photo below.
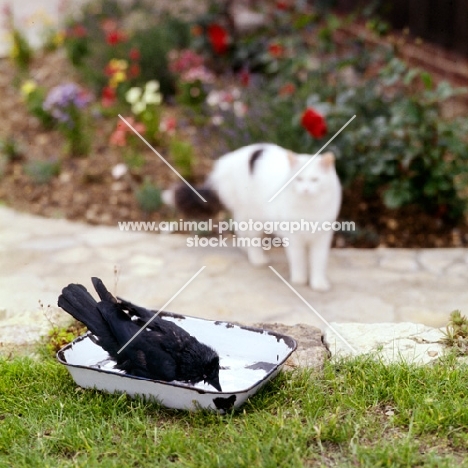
398 194
409 77
426 78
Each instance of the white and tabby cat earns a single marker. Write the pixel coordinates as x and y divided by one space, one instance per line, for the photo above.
246 179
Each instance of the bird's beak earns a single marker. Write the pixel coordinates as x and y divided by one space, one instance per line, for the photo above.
215 383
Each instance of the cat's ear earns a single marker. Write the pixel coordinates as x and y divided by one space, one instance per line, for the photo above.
292 159
327 160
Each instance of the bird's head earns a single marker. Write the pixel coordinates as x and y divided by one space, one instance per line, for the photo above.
211 373
201 363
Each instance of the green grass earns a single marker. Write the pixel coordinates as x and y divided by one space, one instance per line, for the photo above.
354 413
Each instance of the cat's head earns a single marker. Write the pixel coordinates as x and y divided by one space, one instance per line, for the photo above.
316 176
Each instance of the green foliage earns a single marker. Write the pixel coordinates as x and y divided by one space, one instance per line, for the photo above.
134 159
34 102
456 334
182 155
153 36
77 47
10 149
154 44
192 94
398 144
58 337
78 138
21 52
149 197
42 172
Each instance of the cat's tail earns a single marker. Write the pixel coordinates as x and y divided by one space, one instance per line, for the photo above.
190 202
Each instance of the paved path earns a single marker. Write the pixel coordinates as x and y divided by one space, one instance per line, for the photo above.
40 256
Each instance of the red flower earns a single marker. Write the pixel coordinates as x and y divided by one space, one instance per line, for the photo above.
276 50
314 123
134 54
287 89
281 5
134 70
108 96
245 77
218 38
114 37
79 31
196 30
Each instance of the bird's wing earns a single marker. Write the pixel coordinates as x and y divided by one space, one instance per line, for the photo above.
122 327
157 324
134 310
151 354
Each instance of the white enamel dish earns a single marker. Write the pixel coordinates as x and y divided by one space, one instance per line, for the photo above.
249 358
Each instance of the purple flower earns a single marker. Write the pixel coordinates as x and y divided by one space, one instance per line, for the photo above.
63 99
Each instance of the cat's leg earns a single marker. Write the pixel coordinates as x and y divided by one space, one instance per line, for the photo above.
319 250
250 241
255 252
296 252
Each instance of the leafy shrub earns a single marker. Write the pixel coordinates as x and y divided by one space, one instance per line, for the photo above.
154 44
21 52
182 155
149 197
398 144
42 172
58 337
10 149
34 97
456 334
104 33
66 104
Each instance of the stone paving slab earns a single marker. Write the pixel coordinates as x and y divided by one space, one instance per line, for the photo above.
390 342
38 257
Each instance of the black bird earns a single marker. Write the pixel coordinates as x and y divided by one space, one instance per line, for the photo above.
163 351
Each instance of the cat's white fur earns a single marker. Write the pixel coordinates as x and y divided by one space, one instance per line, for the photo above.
313 195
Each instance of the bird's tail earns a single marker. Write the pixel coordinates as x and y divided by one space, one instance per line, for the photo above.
77 301
189 202
102 291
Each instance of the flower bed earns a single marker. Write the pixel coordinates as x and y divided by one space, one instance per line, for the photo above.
195 89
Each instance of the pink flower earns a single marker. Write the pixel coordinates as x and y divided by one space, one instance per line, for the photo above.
109 25
168 125
118 138
119 135
79 31
184 60
200 73
138 126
